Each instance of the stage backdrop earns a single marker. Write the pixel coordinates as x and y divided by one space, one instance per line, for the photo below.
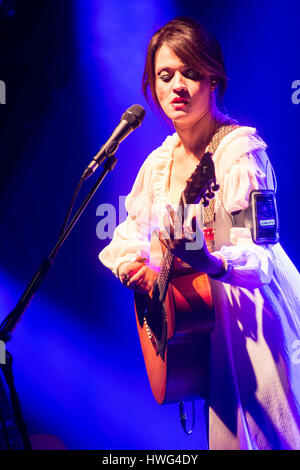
69 70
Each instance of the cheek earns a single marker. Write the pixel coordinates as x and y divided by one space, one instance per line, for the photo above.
201 92
161 92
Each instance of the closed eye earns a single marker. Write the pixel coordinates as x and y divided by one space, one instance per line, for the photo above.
193 74
165 76
190 74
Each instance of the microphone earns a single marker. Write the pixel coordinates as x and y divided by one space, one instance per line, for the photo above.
130 120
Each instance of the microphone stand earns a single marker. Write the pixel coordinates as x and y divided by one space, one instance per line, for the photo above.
10 322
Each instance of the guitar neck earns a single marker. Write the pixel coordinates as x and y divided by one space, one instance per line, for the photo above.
200 186
164 275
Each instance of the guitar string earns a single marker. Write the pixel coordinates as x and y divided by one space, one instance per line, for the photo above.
164 275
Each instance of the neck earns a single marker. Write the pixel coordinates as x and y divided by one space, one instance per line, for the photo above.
195 137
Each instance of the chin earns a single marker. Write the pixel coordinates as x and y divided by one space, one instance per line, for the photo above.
184 119
178 115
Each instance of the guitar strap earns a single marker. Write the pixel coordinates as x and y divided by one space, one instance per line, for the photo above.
209 211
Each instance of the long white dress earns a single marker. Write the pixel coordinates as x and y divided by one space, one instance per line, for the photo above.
254 398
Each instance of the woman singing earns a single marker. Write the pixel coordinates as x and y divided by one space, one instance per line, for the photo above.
254 397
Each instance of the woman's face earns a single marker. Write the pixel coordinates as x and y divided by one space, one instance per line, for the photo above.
182 92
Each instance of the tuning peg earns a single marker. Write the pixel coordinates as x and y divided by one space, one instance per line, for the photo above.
210 194
205 201
216 187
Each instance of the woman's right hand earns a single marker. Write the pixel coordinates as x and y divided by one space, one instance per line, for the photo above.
137 275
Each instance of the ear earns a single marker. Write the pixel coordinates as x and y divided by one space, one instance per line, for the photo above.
213 83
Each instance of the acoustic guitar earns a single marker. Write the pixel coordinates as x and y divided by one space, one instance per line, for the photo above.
175 319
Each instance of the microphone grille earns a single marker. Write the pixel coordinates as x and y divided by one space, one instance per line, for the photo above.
134 115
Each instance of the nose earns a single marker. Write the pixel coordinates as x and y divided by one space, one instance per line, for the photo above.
178 84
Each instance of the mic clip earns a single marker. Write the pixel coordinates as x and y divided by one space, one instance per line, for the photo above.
98 159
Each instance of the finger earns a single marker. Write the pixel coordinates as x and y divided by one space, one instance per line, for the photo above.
194 236
141 259
137 277
167 230
190 229
176 222
166 242
133 267
173 214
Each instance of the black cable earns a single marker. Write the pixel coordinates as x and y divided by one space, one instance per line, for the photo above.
183 419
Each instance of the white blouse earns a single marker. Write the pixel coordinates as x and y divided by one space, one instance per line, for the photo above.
255 349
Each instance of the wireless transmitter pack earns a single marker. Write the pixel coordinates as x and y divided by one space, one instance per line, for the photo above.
261 217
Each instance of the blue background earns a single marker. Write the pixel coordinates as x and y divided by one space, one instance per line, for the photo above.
71 69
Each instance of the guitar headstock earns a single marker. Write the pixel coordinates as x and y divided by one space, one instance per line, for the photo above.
202 183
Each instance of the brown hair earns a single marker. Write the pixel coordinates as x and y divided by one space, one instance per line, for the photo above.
194 45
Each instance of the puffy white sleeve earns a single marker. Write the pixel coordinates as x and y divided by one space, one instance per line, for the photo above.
131 238
251 265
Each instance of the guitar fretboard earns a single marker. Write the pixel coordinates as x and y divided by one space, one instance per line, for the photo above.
164 275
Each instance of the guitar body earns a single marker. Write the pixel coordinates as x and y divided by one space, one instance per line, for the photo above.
176 318
181 373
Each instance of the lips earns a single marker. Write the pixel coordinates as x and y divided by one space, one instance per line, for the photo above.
179 100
